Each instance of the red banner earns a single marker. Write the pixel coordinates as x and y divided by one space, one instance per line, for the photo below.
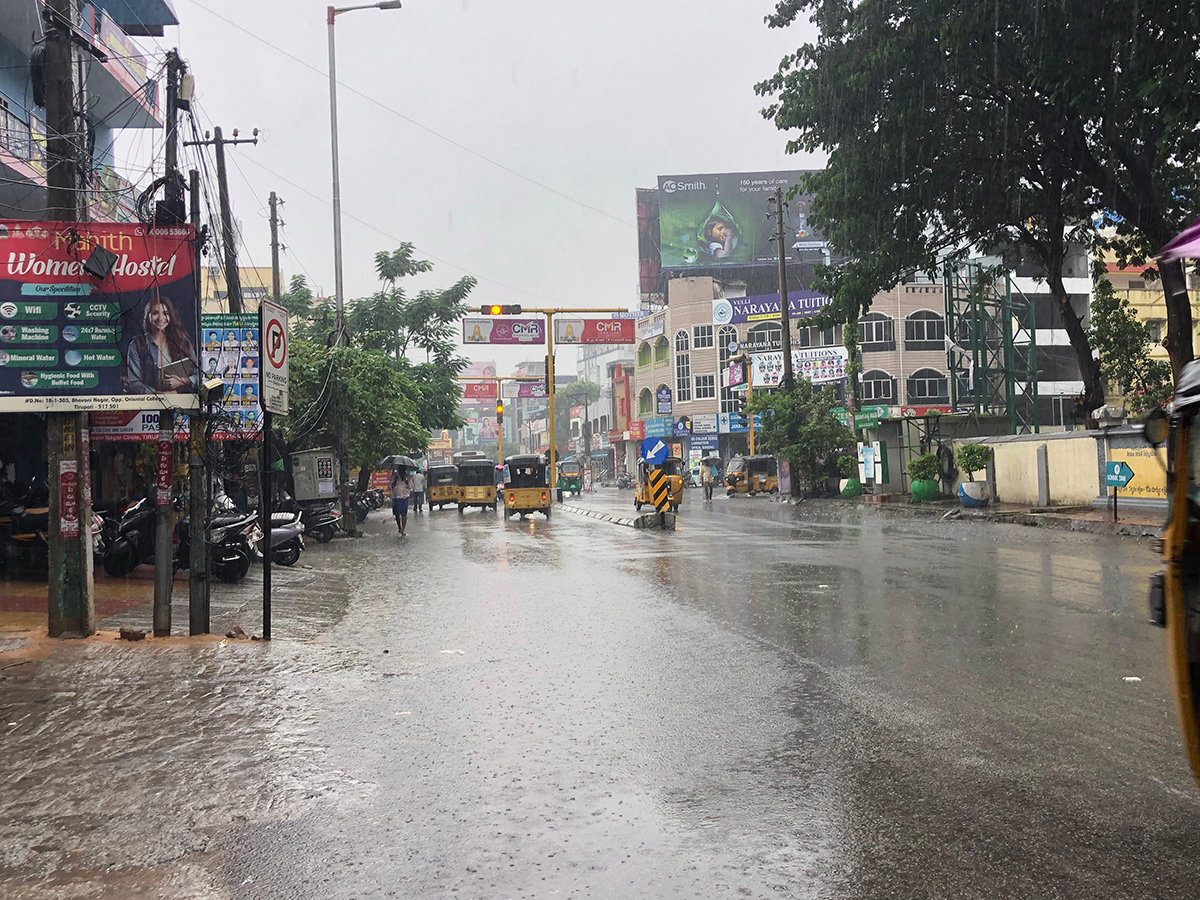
637 430
68 494
594 331
479 390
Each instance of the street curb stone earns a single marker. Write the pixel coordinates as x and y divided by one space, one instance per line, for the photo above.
638 522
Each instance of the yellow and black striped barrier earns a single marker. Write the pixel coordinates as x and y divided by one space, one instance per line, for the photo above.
660 490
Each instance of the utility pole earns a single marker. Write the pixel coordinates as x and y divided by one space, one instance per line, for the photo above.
233 284
70 594
265 491
198 599
785 322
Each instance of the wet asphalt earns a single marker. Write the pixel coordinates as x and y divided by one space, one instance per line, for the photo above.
771 701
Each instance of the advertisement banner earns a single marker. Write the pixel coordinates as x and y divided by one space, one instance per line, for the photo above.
68 493
651 328
96 316
524 390
659 426
637 430
765 307
704 442
504 331
819 365
704 423
132 426
728 220
230 352
479 390
662 398
735 374
594 331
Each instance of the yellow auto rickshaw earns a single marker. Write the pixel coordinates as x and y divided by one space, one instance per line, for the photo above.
526 486
672 467
752 475
441 484
1175 589
476 483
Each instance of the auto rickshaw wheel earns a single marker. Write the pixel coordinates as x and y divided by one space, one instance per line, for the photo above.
547 512
773 490
461 507
637 505
674 507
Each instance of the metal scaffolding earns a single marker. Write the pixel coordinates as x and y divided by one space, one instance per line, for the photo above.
992 346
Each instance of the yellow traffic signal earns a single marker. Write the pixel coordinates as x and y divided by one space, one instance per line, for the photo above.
495 310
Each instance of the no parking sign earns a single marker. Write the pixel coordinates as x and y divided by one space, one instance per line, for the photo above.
274 366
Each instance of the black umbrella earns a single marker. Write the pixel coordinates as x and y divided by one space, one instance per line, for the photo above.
711 460
397 462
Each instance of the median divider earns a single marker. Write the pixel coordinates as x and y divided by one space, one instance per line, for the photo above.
649 520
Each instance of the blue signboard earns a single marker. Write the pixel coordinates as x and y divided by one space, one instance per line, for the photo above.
654 451
704 442
660 426
682 428
663 398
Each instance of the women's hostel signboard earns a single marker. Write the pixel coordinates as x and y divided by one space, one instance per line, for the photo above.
96 316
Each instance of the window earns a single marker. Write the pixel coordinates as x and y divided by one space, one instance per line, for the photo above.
681 341
928 386
875 332
726 335
878 387
702 336
643 354
645 403
706 387
662 350
683 374
765 337
924 330
817 337
1155 329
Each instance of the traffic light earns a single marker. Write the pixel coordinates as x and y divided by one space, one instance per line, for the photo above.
743 420
499 412
496 309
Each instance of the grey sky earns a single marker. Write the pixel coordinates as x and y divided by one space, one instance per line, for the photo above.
590 99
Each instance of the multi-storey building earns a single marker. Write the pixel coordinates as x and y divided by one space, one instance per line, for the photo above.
600 364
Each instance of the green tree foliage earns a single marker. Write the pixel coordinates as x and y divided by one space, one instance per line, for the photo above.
1004 125
1124 347
972 458
799 425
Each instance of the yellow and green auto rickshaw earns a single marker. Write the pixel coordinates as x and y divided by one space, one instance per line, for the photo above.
526 486
570 476
1175 590
672 467
476 483
441 486
752 475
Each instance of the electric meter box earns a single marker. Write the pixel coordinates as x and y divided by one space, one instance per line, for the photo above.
315 475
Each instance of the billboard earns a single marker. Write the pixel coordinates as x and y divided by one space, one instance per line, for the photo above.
765 307
70 340
725 220
819 365
504 331
479 390
594 331
229 351
524 390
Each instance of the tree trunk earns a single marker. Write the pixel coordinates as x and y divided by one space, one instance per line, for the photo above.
1179 341
1089 366
364 478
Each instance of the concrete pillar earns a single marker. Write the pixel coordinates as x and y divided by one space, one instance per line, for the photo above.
1043 476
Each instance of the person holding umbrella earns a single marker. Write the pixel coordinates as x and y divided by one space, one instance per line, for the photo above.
400 485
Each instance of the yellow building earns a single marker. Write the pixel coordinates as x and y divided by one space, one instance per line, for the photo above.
214 293
1146 298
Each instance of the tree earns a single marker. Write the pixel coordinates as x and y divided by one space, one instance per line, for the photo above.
1008 126
799 426
577 393
1123 344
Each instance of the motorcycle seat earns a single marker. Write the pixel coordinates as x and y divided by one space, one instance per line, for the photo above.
222 521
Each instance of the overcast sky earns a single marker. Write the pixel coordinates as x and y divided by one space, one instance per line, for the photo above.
590 100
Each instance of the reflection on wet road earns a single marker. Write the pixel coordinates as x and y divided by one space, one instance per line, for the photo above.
771 701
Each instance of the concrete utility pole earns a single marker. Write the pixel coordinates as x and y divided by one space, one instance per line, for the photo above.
233 284
68 477
198 598
785 321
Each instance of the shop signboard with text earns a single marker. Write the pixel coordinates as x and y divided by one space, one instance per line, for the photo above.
594 331
479 390
765 307
230 352
96 316
662 401
820 365
503 331
659 426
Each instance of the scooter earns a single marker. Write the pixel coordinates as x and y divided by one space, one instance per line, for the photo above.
231 536
321 520
128 538
287 538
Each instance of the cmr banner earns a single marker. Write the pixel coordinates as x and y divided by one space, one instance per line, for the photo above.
524 390
503 331
594 331
727 220
479 390
818 364
96 316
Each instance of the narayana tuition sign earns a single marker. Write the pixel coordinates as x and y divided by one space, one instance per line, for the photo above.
761 307
96 316
594 331
504 331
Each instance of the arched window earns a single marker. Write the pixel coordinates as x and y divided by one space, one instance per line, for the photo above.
765 337
643 354
928 386
876 332
646 402
662 350
878 387
681 341
725 336
924 330
683 370
604 424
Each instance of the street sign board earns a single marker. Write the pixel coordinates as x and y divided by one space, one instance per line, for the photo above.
654 451
1117 474
273 390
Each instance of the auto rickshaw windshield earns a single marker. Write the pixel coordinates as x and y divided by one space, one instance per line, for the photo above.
570 468
738 464
670 467
526 475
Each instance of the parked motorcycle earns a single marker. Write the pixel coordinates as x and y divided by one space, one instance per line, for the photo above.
231 536
287 538
321 520
624 482
128 538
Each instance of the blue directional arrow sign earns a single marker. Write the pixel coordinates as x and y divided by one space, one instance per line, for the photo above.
1117 474
654 451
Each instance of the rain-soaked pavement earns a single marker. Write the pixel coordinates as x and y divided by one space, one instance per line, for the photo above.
771 701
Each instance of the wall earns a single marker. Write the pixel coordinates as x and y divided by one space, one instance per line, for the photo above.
1071 458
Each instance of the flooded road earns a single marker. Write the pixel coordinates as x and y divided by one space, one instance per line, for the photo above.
771 701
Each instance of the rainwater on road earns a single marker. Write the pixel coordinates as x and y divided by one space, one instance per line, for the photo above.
771 701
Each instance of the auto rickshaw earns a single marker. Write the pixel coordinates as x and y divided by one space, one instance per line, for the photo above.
526 485
476 483
570 476
752 475
1175 590
441 485
672 467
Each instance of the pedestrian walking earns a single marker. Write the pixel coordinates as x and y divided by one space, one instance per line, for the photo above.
708 477
418 490
401 486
